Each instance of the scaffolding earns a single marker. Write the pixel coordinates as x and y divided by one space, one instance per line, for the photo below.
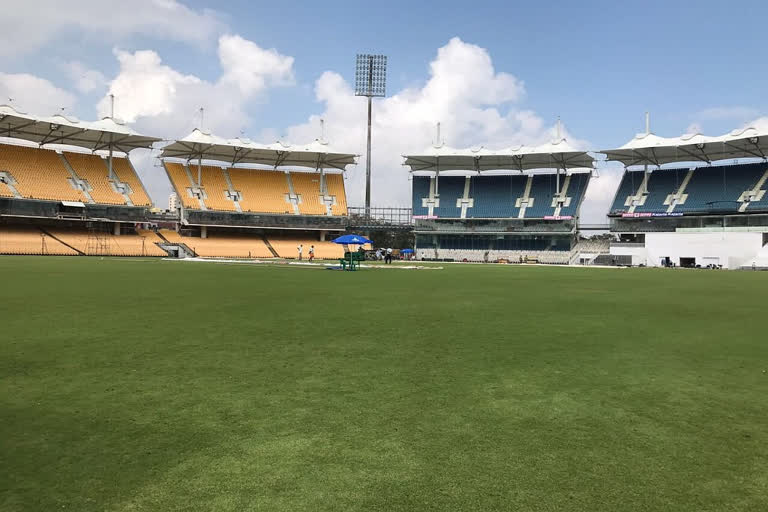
97 243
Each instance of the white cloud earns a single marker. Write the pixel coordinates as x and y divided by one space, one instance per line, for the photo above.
475 104
761 123
83 78
602 188
29 93
160 100
27 26
739 113
251 68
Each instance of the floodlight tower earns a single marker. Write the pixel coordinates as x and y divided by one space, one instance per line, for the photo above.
370 81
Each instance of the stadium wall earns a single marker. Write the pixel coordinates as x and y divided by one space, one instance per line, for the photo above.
729 249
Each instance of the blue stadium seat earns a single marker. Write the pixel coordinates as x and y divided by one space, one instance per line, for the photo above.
661 184
420 190
630 182
576 191
717 188
450 188
494 196
712 189
542 190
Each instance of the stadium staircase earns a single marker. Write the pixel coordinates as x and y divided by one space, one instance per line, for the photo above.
81 184
168 244
269 246
8 181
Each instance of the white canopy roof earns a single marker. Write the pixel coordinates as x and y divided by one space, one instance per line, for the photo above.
204 146
651 149
554 155
99 135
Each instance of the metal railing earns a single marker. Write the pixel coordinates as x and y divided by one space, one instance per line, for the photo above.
359 215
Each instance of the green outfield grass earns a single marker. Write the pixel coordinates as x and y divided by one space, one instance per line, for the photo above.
140 385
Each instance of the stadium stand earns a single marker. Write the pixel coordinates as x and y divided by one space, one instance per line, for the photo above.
38 174
420 191
106 244
576 190
502 196
629 185
216 187
542 191
334 184
262 191
181 183
307 187
286 248
450 189
719 188
93 170
710 189
23 240
495 196
660 185
125 172
222 246
258 190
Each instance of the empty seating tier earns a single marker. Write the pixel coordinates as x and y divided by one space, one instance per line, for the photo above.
99 243
38 173
180 181
262 191
29 240
93 169
496 196
710 189
307 187
288 248
125 173
335 186
215 186
222 246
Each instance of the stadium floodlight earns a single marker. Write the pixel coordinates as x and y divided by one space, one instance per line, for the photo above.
371 82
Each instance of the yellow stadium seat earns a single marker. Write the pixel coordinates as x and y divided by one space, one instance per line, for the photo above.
39 173
222 246
286 247
262 191
93 169
307 186
29 240
125 173
215 186
107 244
335 185
181 183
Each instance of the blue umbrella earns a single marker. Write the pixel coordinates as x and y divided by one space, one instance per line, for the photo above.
406 251
352 240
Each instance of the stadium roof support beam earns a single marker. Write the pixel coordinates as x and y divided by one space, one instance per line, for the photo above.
59 129
557 154
648 148
203 145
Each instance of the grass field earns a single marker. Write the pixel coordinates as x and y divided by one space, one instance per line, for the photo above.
136 385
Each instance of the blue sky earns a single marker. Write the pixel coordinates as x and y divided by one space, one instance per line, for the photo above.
598 65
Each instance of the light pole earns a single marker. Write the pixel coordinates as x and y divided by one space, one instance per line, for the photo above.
370 81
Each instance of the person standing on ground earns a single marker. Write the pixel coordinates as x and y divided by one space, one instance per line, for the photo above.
389 256
300 248
311 252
